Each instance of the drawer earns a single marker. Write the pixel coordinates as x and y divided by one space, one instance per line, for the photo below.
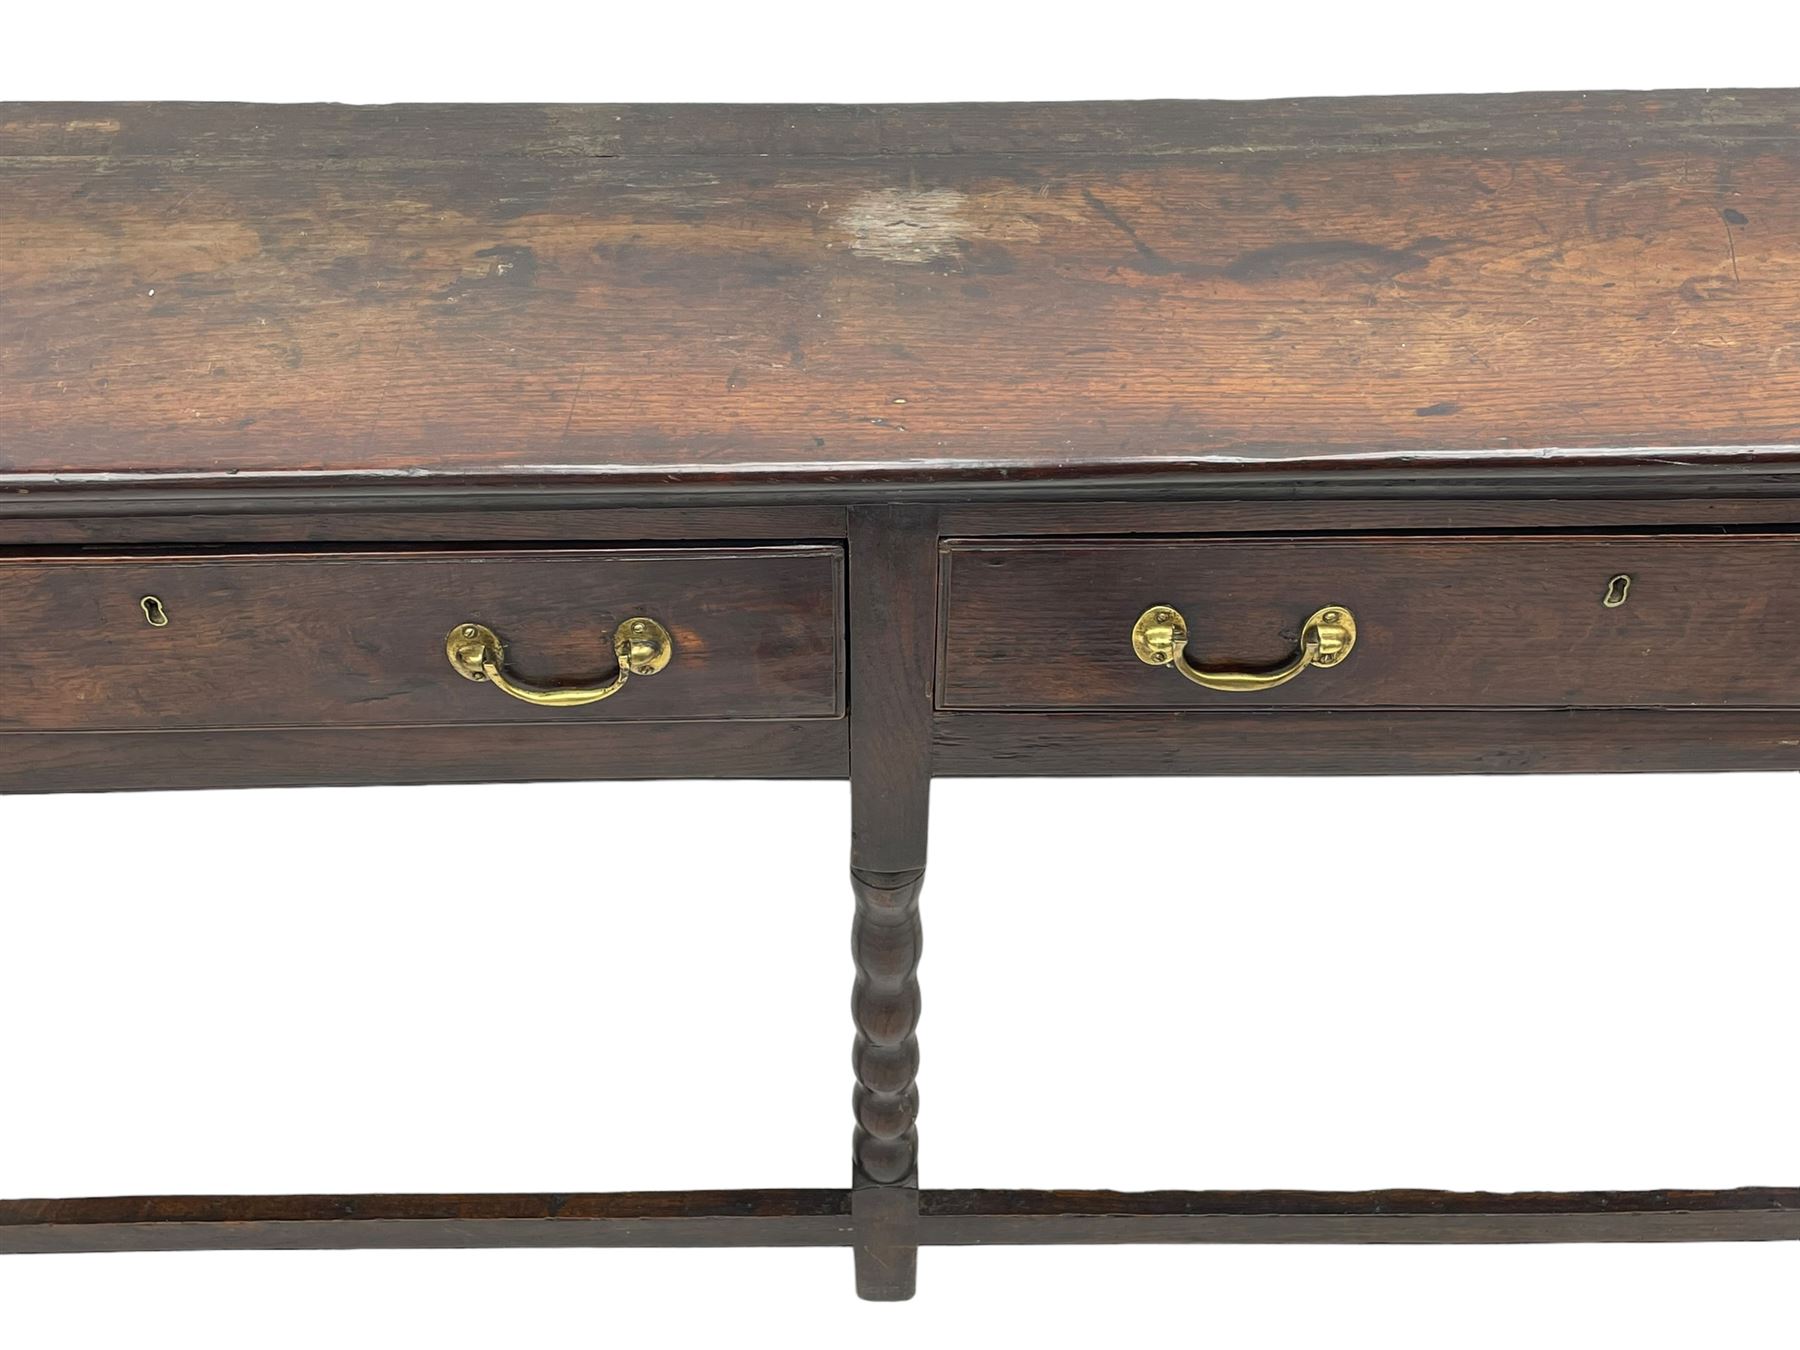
1440 622
354 639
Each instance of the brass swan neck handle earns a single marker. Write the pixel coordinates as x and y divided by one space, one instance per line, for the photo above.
641 645
1160 635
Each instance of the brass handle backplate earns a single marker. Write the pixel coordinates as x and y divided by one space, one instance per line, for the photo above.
642 647
1160 635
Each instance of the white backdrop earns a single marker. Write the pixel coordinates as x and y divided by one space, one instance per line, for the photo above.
1523 984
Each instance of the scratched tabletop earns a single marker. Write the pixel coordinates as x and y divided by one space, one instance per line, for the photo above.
989 293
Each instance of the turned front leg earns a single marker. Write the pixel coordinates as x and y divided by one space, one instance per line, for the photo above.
893 574
885 940
885 1201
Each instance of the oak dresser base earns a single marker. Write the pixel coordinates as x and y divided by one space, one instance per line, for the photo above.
463 445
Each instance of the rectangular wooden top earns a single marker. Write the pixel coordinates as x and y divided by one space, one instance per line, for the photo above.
684 299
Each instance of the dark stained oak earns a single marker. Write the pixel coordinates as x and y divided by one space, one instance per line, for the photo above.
821 1218
494 526
981 1218
893 626
100 522
1309 742
357 639
1284 514
361 756
562 133
897 417
893 620
1441 622
886 942
794 1218
213 296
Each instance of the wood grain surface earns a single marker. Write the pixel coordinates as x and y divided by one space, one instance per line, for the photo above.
365 756
1305 741
892 622
329 380
227 296
821 1218
357 639
774 1218
1442 622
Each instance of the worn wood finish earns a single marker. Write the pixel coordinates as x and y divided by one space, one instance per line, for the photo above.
492 527
497 525
893 625
1443 622
893 614
796 1218
558 133
361 756
982 1218
885 942
357 639
328 380
216 296
1285 515
822 1218
1305 742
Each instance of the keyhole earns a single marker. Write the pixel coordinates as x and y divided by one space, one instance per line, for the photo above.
1616 591
154 612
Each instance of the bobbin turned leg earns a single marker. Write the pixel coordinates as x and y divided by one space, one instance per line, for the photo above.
884 1203
893 574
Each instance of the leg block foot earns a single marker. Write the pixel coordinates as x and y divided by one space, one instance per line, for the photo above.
887 1242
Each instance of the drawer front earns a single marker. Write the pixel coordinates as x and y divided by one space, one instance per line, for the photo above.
1513 622
358 639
